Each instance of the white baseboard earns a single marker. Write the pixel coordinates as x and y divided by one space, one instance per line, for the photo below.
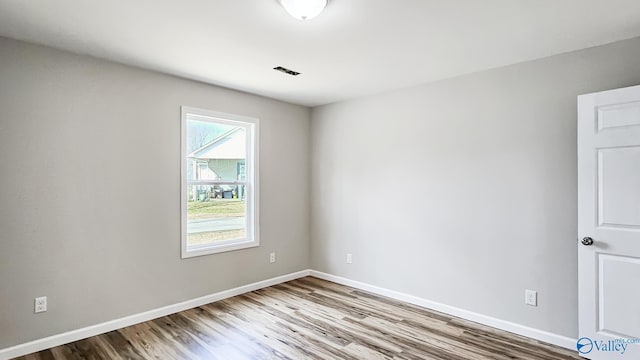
79 334
545 336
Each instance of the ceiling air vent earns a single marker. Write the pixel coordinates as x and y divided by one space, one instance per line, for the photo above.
286 71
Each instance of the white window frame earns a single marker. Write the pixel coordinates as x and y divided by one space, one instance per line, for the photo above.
252 233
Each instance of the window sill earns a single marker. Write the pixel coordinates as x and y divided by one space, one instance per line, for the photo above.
194 251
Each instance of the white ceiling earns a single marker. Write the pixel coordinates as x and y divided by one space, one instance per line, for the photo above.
354 48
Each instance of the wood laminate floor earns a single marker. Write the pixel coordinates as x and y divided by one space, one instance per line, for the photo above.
306 319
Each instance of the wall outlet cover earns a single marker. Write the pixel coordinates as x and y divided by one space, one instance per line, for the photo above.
531 297
40 304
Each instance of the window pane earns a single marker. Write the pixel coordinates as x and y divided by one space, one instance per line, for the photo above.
215 213
215 151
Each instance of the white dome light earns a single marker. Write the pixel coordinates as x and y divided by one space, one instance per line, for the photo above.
304 9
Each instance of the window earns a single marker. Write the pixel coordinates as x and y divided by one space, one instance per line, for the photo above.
219 182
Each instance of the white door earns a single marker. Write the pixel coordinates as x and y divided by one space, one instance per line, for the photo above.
609 224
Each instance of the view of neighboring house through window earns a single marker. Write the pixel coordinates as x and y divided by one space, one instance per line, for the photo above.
218 182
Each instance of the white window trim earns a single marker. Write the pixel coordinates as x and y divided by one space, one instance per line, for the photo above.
251 170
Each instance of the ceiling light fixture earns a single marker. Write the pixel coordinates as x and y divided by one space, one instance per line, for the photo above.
304 9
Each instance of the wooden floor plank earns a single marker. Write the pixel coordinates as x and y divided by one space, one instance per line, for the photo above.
307 318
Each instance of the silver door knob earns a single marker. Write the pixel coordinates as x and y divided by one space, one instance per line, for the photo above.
587 241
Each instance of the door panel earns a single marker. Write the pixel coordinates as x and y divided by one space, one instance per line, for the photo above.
619 193
618 299
609 213
619 115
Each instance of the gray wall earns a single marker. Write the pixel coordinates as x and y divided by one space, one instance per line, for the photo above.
463 191
85 223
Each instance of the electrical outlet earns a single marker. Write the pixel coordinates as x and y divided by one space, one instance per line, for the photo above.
531 297
40 304
272 257
349 259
